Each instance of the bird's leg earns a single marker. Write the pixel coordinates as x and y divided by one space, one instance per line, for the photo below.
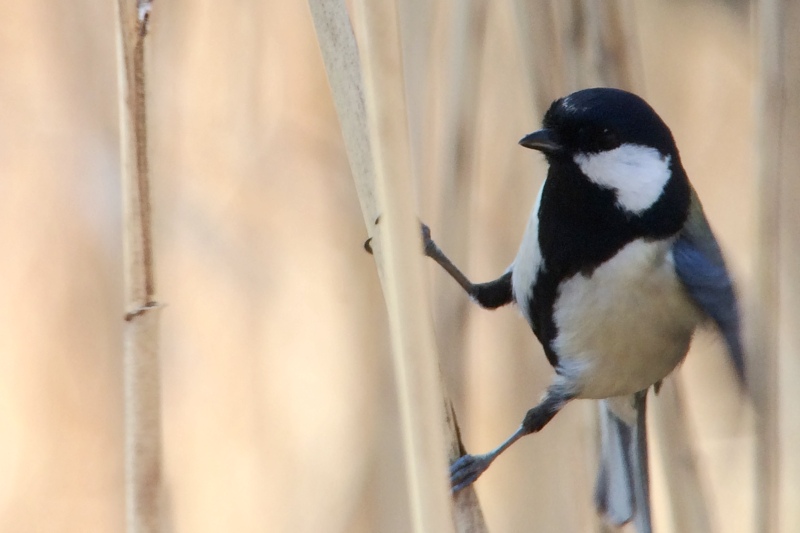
489 295
641 479
468 468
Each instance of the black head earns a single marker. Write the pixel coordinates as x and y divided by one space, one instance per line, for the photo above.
598 120
619 146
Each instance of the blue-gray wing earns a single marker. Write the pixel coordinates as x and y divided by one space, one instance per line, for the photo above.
701 267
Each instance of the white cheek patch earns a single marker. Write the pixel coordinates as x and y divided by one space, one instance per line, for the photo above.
636 173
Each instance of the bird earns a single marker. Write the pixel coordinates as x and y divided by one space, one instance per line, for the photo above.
617 268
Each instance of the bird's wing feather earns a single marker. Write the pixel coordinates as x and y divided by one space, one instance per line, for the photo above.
701 268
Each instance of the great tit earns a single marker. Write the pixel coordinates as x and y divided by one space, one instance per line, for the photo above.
617 267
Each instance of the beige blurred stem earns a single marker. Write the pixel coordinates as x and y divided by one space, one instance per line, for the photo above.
687 497
777 139
455 174
372 114
141 369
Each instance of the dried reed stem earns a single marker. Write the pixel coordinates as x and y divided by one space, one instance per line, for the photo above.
141 372
773 27
685 490
373 119
454 172
547 54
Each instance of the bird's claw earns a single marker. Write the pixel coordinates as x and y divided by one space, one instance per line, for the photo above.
368 242
427 242
466 470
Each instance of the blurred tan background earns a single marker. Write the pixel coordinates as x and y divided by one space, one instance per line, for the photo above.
278 402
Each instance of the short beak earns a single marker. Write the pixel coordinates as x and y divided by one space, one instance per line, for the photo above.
543 140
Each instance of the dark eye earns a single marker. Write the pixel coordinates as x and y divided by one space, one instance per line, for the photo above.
607 139
592 138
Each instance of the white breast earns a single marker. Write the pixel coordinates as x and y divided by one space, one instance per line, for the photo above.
528 261
627 325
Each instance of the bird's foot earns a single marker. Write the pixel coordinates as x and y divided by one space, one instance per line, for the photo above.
467 469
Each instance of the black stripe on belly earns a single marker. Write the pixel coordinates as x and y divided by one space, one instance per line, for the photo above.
581 227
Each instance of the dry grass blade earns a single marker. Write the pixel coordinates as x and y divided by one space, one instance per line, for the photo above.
141 368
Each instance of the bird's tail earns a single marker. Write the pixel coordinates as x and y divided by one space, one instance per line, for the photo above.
622 492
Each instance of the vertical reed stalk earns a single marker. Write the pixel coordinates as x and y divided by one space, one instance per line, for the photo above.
141 372
454 174
372 115
685 490
545 51
774 150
